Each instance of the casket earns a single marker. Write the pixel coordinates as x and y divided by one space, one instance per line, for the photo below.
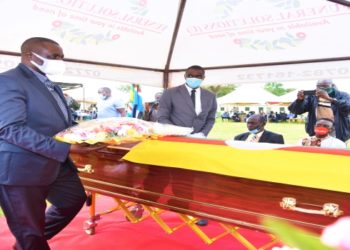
304 186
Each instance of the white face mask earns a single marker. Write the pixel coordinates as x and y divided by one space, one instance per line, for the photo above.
102 97
50 66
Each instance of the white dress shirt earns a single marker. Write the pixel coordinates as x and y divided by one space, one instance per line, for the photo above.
197 100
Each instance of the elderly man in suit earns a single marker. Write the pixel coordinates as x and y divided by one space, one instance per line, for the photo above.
188 105
34 167
257 133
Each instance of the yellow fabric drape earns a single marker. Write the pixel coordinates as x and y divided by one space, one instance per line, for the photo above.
315 170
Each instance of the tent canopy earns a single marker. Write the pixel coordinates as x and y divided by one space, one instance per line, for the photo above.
289 97
153 41
248 94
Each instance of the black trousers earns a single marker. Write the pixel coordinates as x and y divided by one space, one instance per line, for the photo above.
25 209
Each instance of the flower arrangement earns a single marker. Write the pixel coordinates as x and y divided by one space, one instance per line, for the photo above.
115 130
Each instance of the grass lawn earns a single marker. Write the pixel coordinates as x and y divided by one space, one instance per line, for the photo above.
292 132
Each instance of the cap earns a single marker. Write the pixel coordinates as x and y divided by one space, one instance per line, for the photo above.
325 81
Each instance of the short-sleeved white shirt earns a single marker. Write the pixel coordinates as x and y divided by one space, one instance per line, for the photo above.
332 142
108 108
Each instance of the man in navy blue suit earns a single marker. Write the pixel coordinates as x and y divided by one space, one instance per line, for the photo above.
257 133
34 167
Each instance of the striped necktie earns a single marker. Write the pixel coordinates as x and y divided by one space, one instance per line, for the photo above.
51 87
254 138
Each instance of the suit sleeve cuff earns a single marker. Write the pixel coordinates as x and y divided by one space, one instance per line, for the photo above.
61 151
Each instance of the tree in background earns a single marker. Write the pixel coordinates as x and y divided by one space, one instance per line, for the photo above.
125 88
221 90
277 88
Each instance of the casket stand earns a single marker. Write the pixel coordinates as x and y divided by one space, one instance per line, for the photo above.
233 201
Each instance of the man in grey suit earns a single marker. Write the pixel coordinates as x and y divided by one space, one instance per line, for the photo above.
34 167
188 105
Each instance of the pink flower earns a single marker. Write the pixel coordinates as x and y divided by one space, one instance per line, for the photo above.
56 23
301 35
237 41
115 36
143 2
337 234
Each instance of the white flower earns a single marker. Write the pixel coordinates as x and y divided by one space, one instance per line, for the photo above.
338 234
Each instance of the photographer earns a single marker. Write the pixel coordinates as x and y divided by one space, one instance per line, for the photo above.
325 102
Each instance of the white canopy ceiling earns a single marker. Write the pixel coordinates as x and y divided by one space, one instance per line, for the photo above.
152 41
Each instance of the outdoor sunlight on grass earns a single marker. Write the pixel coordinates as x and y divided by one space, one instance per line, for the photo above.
224 130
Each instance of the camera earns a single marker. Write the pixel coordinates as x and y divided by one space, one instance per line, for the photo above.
309 92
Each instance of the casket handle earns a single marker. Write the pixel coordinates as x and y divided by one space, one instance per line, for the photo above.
86 169
328 209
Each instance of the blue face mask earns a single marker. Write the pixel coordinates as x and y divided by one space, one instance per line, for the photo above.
254 131
193 82
102 97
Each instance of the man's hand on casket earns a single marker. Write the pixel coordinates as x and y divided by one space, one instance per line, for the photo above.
85 148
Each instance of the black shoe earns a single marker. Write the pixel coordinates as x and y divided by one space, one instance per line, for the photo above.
137 211
202 222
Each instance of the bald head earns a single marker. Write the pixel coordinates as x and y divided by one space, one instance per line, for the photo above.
323 122
256 121
105 91
41 46
324 83
34 43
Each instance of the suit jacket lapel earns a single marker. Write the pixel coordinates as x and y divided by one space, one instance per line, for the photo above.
263 137
43 89
60 93
187 97
245 136
204 101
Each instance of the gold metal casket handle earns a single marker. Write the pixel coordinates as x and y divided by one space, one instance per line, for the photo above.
328 209
86 169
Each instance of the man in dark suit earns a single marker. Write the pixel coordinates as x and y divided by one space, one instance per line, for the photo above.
257 133
34 167
188 105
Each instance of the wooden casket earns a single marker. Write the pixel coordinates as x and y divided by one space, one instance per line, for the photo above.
208 179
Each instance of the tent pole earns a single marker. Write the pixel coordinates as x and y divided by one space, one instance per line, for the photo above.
172 45
342 2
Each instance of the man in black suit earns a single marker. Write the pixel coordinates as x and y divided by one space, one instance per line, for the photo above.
257 133
34 167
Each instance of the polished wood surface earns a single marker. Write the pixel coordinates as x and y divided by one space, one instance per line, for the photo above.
234 200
